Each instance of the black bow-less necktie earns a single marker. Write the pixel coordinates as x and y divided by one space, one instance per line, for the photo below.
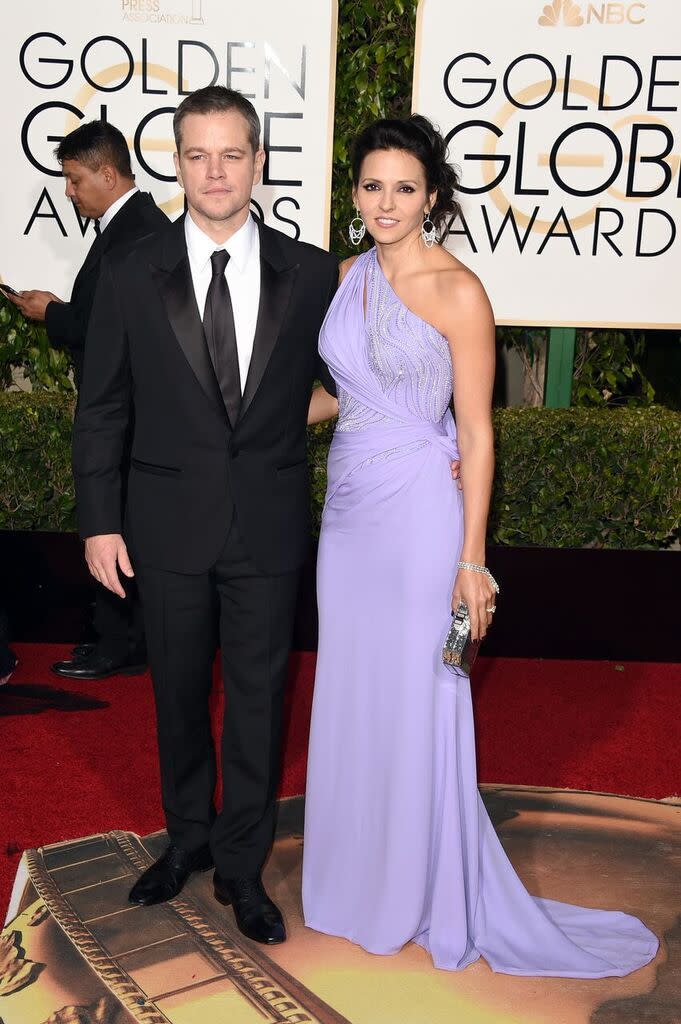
218 324
97 248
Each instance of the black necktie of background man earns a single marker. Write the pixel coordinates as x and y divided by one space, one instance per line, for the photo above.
97 247
218 324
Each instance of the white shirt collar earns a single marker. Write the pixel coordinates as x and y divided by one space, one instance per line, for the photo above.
109 214
240 246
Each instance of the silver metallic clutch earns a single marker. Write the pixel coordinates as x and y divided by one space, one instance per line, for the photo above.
459 651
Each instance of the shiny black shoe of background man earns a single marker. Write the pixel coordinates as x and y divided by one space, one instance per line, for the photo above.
92 664
166 877
83 650
257 917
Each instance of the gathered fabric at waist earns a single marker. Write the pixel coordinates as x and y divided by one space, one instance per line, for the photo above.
351 449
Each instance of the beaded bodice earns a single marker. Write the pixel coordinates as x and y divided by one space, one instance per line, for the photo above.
409 358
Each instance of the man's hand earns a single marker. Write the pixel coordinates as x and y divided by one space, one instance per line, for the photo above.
103 554
456 472
33 303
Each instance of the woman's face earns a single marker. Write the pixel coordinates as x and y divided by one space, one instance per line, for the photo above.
391 194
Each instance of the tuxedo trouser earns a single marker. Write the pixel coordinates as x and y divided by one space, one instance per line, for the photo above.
119 622
251 615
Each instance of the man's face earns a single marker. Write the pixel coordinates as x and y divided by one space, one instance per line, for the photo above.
217 168
89 190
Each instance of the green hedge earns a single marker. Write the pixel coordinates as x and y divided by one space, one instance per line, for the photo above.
36 488
565 477
580 477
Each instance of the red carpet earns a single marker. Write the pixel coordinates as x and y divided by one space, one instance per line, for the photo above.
68 772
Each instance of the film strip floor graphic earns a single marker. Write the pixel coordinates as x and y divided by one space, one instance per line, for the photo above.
75 952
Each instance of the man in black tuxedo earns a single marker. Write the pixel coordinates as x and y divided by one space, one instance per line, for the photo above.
210 330
95 162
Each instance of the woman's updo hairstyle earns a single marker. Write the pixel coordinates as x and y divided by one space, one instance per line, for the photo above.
418 136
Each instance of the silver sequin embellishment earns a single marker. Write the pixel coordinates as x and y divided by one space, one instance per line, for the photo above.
409 357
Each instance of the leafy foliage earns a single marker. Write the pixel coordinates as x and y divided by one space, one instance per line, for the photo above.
373 79
608 369
609 366
36 488
318 440
24 346
587 477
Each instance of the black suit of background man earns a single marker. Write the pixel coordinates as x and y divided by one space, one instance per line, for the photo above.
119 623
67 322
96 165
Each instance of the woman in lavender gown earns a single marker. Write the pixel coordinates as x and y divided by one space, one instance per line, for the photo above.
398 845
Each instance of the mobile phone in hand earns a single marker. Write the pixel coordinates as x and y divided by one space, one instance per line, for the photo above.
6 288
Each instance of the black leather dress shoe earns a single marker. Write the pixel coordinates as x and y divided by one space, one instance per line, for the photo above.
166 877
256 915
98 666
83 650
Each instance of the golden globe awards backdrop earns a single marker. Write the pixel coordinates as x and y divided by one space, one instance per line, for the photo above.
564 119
131 62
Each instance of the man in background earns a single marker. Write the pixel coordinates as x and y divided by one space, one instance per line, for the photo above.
95 162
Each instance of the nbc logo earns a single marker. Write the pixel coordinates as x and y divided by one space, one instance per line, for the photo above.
562 11
572 15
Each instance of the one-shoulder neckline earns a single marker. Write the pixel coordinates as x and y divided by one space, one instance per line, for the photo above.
373 253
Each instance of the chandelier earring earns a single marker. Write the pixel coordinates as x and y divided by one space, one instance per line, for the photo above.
357 228
428 231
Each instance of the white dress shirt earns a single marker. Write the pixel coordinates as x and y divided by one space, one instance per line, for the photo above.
243 280
109 214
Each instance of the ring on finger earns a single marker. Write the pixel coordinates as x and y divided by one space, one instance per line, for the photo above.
492 609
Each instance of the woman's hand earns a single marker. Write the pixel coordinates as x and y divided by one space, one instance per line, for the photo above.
478 594
456 472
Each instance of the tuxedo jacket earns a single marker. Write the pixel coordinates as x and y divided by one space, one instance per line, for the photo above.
191 469
67 322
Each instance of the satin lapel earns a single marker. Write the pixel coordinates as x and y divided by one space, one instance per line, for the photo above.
177 292
276 287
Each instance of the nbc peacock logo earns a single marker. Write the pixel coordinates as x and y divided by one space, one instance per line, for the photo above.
561 12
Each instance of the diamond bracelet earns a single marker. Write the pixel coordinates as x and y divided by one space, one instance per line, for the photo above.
483 569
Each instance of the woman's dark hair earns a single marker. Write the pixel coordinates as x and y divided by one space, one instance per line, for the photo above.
418 136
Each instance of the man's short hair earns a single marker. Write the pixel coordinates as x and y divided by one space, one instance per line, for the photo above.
94 144
217 99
